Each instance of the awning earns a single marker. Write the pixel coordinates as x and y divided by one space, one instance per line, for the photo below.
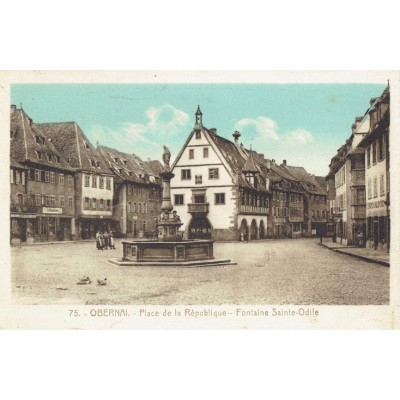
101 217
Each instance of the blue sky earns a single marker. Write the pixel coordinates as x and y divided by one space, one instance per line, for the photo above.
302 123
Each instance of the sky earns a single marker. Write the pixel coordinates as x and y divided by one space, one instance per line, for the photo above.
302 123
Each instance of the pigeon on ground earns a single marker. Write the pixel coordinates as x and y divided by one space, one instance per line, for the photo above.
102 282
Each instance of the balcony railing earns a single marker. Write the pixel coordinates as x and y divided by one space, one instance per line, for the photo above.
198 208
253 209
358 177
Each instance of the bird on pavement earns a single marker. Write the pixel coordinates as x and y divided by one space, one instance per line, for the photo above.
84 281
102 282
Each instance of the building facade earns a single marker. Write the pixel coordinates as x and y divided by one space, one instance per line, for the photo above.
42 204
377 173
137 193
219 190
94 182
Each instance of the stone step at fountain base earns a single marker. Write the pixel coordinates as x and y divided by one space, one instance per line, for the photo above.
213 262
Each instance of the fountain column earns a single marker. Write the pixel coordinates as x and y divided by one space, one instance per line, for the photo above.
169 222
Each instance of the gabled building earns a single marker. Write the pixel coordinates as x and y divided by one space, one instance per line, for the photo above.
94 182
375 146
137 192
42 184
220 189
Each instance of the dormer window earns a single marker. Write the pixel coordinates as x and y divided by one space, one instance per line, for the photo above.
125 162
49 158
38 154
57 159
115 159
98 164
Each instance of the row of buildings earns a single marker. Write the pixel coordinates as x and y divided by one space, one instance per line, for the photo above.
64 188
359 180
223 191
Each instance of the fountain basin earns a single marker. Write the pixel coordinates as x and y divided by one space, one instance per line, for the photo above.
186 253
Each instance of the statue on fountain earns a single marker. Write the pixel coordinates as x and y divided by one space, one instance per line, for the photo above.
166 158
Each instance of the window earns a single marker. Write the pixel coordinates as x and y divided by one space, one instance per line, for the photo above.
11 176
17 178
108 183
57 159
52 177
87 178
70 201
101 183
186 174
205 152
108 205
198 135
134 207
191 154
375 187
49 158
219 198
94 204
374 153
145 208
198 179
61 179
179 199
139 208
382 185
94 181
278 211
47 200
86 205
102 205
213 173
380 148
199 199
70 181
52 200
38 199
62 201
368 156
369 189
47 176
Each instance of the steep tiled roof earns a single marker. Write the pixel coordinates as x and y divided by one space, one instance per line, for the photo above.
69 138
130 167
29 143
321 182
308 181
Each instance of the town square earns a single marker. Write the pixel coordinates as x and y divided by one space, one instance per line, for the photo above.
165 209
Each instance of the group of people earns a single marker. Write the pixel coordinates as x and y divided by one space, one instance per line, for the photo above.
104 240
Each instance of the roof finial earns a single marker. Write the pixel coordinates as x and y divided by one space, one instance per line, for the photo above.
199 117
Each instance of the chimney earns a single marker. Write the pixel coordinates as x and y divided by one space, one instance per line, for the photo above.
213 131
261 155
273 161
13 108
30 121
284 163
236 136
268 164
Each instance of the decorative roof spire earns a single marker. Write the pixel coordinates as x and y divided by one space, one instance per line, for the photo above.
199 117
249 165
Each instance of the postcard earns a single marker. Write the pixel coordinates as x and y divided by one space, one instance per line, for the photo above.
200 200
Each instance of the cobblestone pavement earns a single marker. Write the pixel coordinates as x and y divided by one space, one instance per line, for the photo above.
295 271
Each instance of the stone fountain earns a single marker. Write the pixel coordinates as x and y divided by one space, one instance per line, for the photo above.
169 249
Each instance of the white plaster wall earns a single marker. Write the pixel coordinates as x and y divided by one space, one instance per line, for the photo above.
370 173
97 193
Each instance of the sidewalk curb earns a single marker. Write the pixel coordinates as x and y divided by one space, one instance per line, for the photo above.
367 259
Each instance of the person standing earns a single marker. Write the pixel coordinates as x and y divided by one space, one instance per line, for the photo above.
106 240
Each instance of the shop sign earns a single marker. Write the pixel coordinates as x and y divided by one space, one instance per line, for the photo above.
52 210
376 204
